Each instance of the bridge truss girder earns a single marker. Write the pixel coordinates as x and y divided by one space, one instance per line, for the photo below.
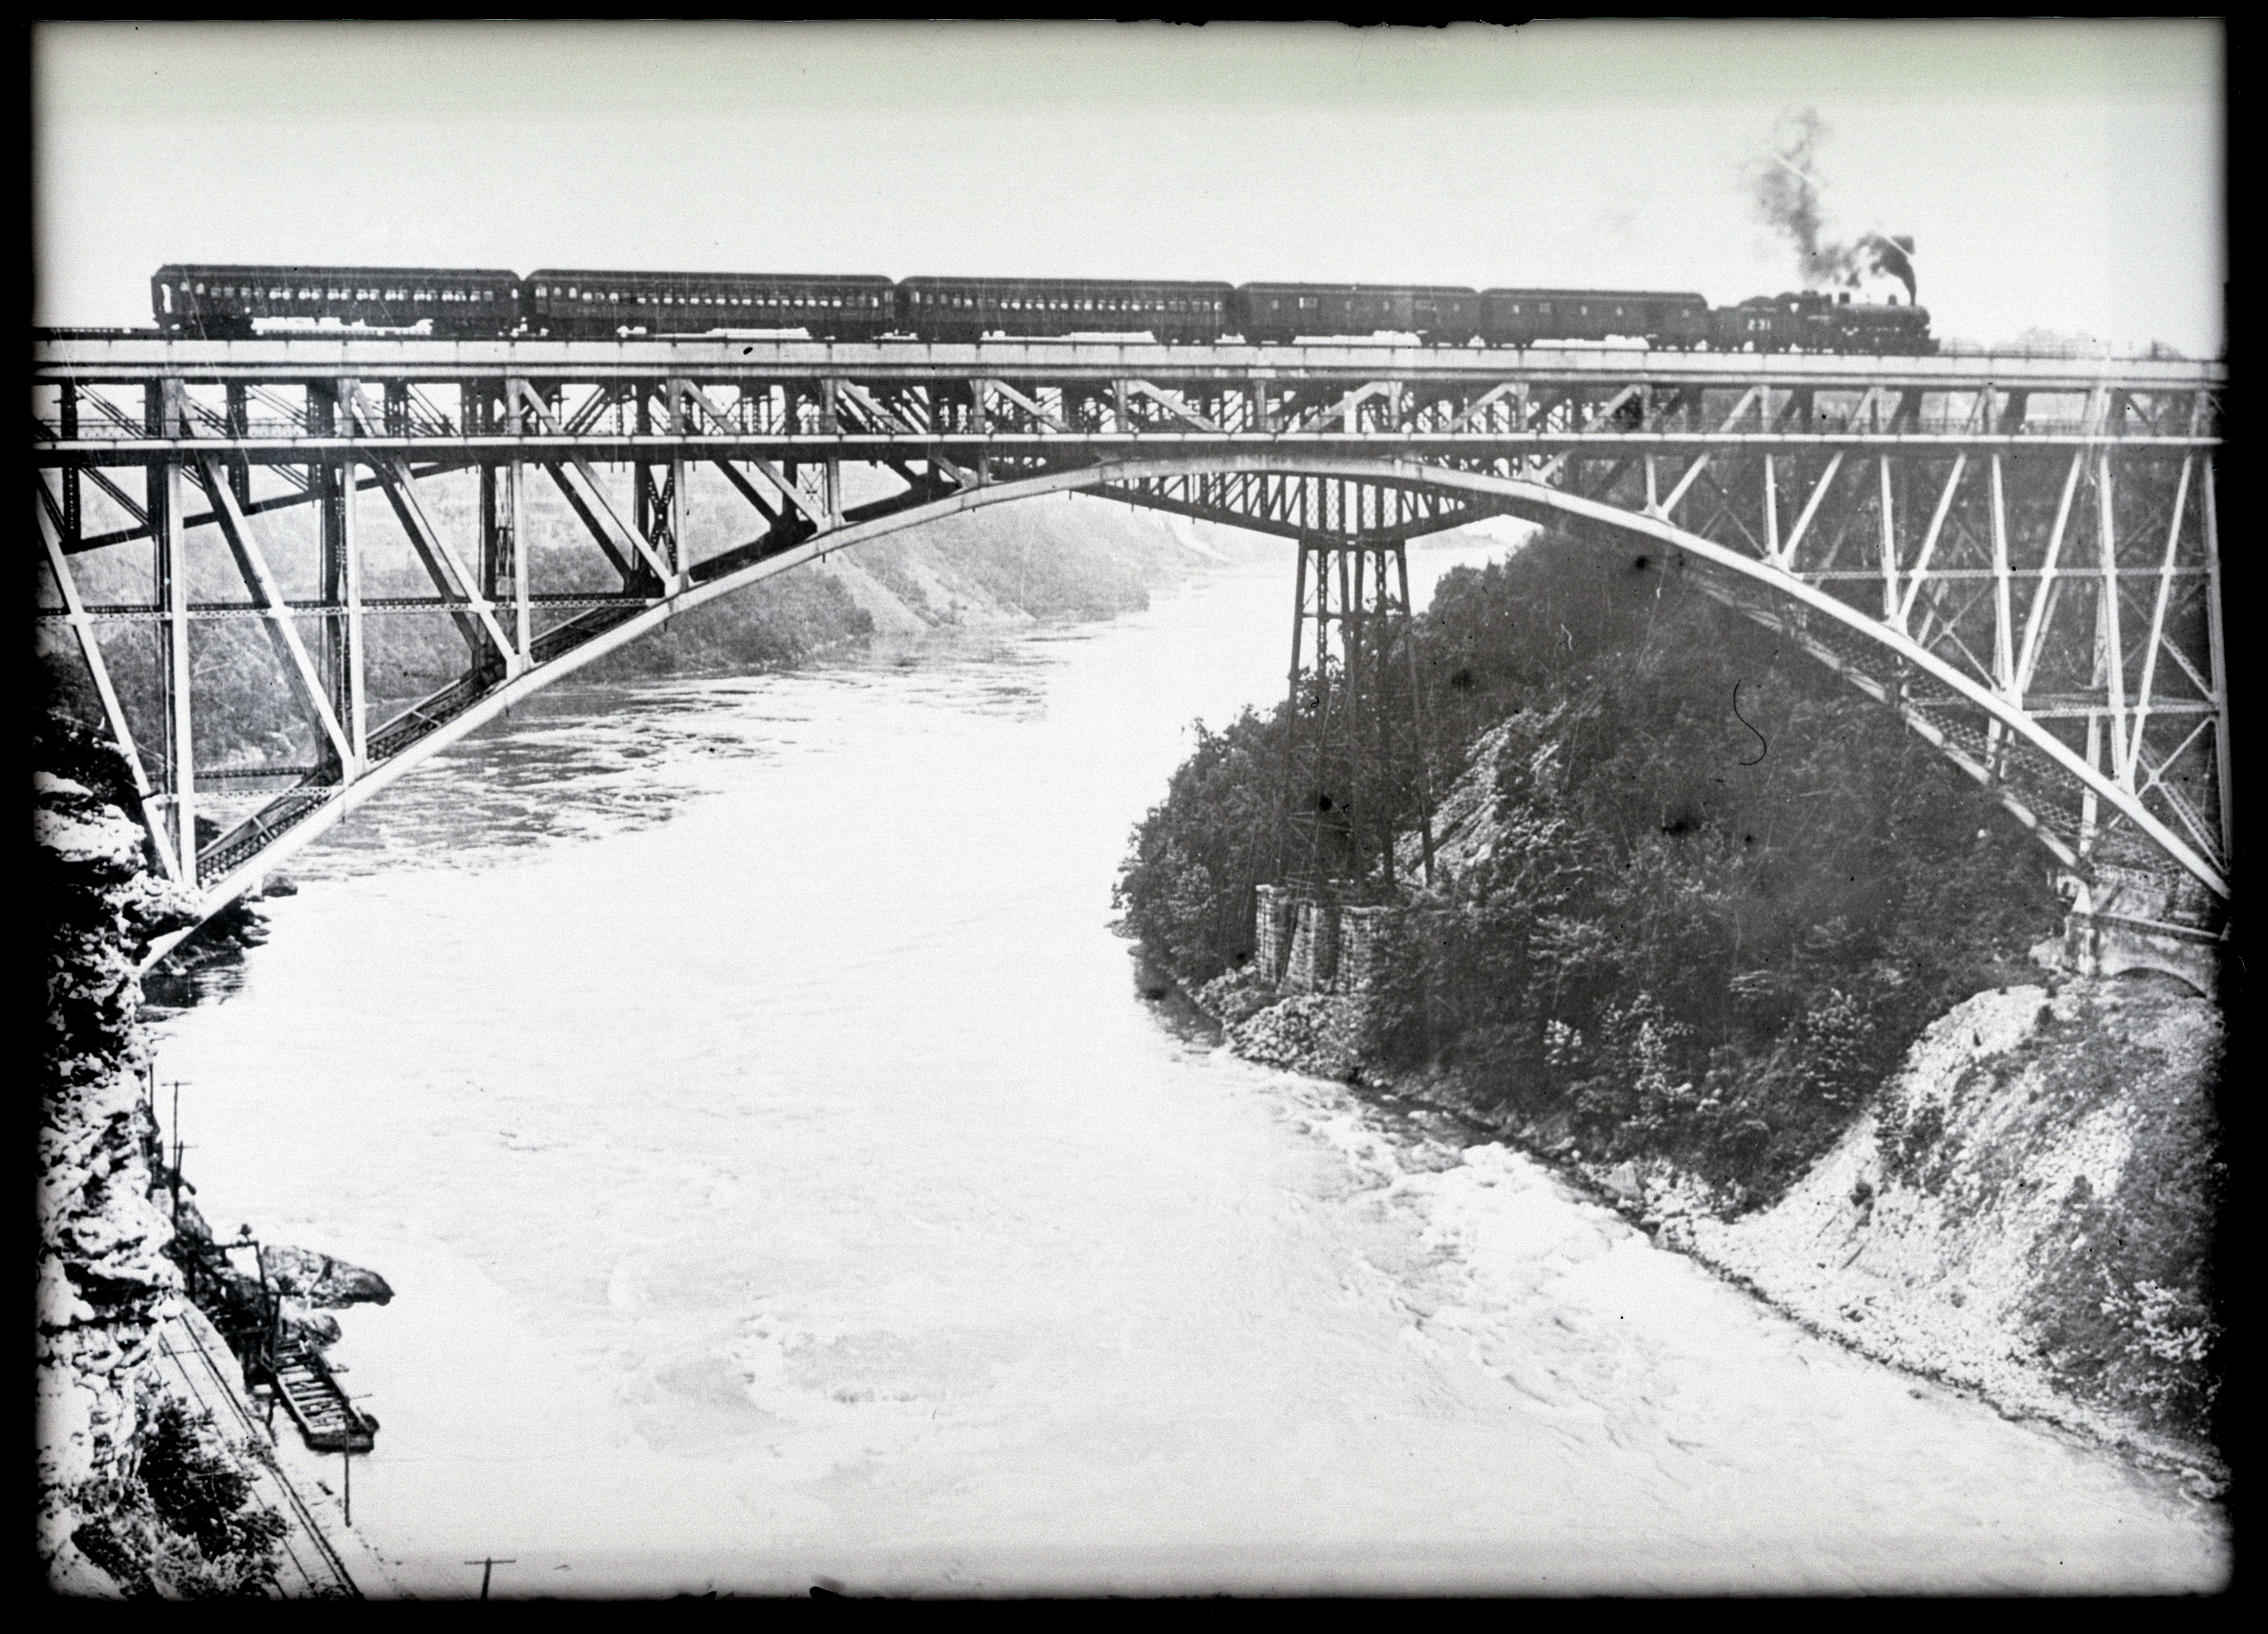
2020 556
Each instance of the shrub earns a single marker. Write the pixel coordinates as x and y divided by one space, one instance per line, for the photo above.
1697 948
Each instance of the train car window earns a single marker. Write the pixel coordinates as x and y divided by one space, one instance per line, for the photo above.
201 289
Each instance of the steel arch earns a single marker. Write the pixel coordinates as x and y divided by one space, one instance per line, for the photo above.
1502 495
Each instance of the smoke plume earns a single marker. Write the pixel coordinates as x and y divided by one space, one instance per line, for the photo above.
1786 188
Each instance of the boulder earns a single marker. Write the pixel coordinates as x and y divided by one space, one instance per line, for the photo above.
319 1280
311 1328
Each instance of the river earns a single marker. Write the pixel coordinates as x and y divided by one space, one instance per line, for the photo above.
782 1182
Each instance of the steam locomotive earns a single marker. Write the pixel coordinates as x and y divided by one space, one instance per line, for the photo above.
217 302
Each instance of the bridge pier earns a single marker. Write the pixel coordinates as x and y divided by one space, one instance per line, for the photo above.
2125 918
2107 944
1354 756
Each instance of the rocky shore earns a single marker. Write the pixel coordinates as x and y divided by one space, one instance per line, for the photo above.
142 1491
2024 1212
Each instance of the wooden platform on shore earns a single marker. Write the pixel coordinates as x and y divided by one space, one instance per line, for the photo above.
318 1403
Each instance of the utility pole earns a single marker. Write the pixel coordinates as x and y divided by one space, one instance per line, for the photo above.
486 1563
179 1146
178 1150
347 1485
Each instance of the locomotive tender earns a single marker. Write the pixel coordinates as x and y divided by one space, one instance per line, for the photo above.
226 302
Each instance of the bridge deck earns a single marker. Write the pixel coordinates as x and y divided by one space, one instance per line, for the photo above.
320 357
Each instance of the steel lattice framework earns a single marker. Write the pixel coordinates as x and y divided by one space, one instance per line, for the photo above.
2018 554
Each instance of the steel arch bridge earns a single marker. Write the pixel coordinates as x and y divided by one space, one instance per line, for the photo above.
2017 554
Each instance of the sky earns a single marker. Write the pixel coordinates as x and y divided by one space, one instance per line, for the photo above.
2055 175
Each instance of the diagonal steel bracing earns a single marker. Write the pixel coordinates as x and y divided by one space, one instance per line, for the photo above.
2020 555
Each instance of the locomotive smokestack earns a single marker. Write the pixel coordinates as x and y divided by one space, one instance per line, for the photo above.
1893 256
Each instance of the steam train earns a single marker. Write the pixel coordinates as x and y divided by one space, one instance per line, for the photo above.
217 302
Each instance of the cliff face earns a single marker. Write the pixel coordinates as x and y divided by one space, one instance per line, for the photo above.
138 1493
2027 1209
104 1283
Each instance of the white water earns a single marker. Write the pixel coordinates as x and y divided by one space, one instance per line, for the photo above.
780 1180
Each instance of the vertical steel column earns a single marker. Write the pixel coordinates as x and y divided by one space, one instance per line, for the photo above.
500 524
509 479
1771 511
169 536
1291 693
2090 802
240 425
2106 616
356 704
2217 656
680 484
494 563
2004 641
980 422
1890 548
643 512
1416 713
325 488
67 422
